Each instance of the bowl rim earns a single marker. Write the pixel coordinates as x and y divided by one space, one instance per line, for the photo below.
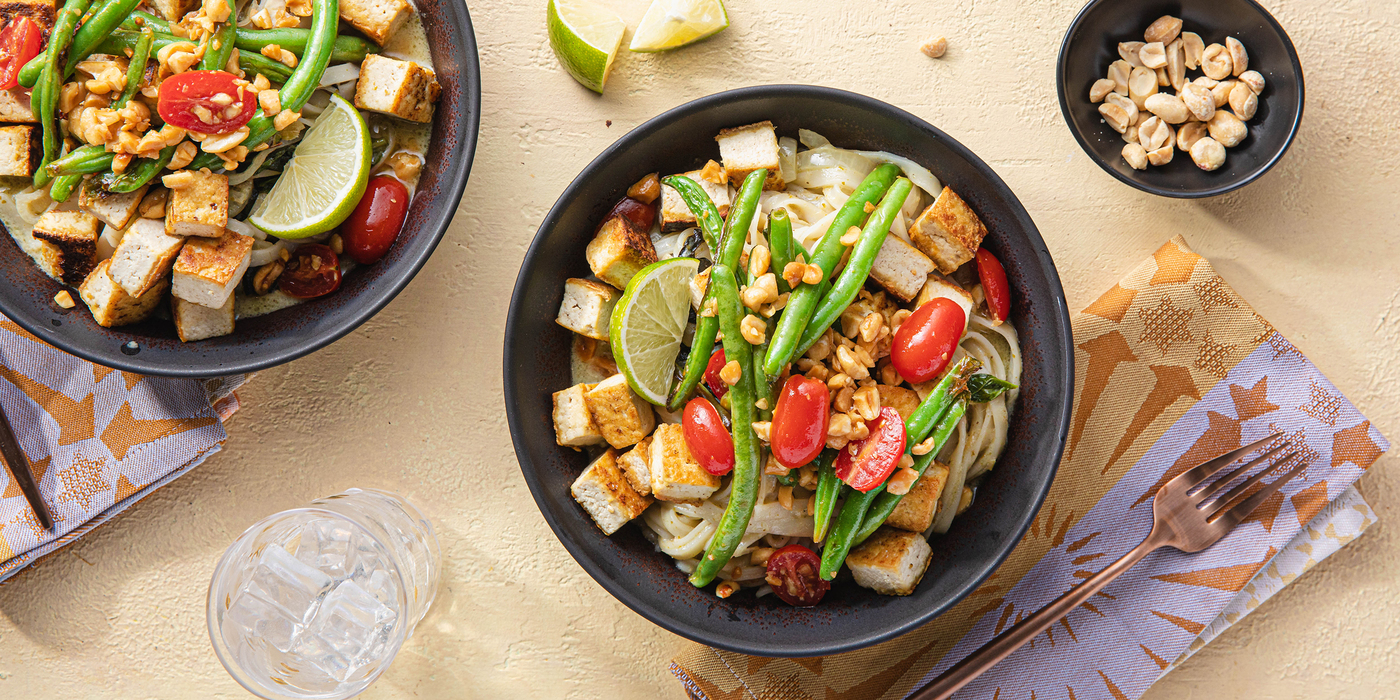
459 164
624 594
1214 191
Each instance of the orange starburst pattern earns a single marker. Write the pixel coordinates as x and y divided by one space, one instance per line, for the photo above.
1165 324
1324 405
82 480
1213 357
1215 295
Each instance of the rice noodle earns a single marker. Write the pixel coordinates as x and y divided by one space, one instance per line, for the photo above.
265 252
250 169
246 229
31 204
340 73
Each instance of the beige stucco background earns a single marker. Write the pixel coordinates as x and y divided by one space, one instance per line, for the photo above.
412 401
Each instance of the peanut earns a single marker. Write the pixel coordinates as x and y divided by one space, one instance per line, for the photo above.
1136 156
871 326
851 235
1239 58
935 47
867 402
1153 55
1199 100
1115 117
1169 108
1176 65
1100 89
1243 101
1141 83
762 429
1192 47
753 330
645 190
812 275
759 258
1189 134
1227 129
730 373
839 426
1118 72
902 480
1221 93
845 398
1208 154
1254 80
1154 133
1163 155
1164 29
1129 51
1216 62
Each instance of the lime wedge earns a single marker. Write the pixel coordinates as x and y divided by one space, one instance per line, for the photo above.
647 325
585 37
323 181
671 24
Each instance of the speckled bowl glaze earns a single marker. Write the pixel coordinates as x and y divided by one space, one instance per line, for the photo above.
1091 44
850 617
258 343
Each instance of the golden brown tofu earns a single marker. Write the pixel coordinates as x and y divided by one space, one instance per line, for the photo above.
605 493
198 204
208 269
675 473
900 268
891 562
676 214
15 106
633 464
903 400
19 150
74 234
402 89
948 231
745 149
195 322
622 417
144 255
619 251
573 423
587 307
110 304
916 510
378 19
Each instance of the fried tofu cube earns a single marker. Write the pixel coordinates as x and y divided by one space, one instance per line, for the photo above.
623 417
902 400
195 322
41 12
948 231
116 209
937 286
745 149
44 254
675 474
634 465
74 234
619 251
198 205
586 308
15 106
144 256
19 151
208 269
916 510
402 89
900 268
173 10
676 214
378 19
573 423
605 493
891 562
110 304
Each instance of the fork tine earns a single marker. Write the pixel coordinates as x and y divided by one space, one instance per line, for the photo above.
1242 511
1216 504
1204 490
1201 472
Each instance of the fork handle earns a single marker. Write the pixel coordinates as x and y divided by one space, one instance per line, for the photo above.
1017 635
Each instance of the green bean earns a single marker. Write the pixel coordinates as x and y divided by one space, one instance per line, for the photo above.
727 249
220 46
884 506
141 19
348 48
81 161
780 245
52 80
803 300
136 70
853 277
138 173
274 71
743 485
828 490
62 187
325 17
843 535
694 196
84 41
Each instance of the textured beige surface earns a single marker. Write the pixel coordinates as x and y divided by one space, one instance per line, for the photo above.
411 401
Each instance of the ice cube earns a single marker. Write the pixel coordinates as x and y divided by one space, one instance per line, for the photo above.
384 586
251 617
291 586
329 546
352 625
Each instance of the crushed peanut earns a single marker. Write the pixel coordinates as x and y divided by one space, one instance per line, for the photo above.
759 258
851 235
902 480
730 373
813 275
785 497
406 165
923 448
793 273
726 589
284 119
839 426
153 204
64 299
844 399
935 47
713 172
762 429
867 402
753 330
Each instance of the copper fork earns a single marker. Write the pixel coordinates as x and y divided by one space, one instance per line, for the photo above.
1187 514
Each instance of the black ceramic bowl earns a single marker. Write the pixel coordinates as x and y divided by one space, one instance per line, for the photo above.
1091 44
537 364
153 348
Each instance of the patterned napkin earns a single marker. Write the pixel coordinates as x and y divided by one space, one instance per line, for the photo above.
98 439
1172 367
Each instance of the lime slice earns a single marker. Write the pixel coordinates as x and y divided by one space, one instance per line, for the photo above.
585 37
671 24
323 181
647 325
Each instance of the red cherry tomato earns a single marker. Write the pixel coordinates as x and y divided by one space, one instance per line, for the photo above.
800 421
866 464
924 344
313 271
705 435
794 572
20 41
994 285
641 215
206 101
712 380
373 226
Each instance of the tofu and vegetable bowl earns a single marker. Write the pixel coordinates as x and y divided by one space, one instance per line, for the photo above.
791 362
200 164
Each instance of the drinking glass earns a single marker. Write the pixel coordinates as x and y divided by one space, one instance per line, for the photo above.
315 602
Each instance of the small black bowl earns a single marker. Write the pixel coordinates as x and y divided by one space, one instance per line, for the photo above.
1091 44
258 343
629 567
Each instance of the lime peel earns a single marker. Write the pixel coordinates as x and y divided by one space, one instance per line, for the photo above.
585 39
324 179
648 323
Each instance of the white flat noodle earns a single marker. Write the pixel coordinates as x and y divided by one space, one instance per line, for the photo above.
787 158
812 139
340 73
836 196
918 174
800 210
809 235
772 518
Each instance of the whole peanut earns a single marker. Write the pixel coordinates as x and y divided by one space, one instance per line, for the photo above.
1243 101
1170 108
1227 129
1208 154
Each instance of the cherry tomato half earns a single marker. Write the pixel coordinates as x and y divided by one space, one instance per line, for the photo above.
794 572
709 442
206 101
20 41
866 464
373 226
994 285
640 214
924 344
712 380
313 271
800 421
